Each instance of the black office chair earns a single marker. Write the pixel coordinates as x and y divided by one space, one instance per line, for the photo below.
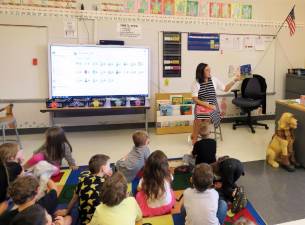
253 96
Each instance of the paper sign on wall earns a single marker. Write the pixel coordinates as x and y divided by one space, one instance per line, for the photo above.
70 28
226 42
260 43
129 30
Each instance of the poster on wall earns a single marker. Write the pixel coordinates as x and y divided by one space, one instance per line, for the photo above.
203 8
215 9
226 42
180 7
144 6
112 7
169 7
130 6
226 10
249 42
192 8
156 6
246 12
236 11
129 30
70 28
203 42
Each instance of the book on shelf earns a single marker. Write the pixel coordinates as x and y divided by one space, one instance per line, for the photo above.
173 124
176 99
166 110
187 101
186 109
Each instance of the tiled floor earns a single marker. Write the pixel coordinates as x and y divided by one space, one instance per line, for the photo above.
240 143
276 194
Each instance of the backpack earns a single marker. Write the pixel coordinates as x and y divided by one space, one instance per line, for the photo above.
184 169
239 201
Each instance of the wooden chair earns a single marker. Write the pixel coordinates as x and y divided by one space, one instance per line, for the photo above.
9 121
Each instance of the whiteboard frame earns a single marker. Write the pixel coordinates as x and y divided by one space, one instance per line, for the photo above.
100 46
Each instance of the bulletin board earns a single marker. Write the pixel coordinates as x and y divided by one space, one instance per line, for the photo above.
261 56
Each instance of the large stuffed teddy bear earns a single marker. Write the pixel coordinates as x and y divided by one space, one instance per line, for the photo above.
280 150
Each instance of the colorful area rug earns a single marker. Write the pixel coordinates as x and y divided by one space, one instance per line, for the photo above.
67 181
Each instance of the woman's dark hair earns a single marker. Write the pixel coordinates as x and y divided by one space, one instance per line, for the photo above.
200 72
114 190
55 143
156 170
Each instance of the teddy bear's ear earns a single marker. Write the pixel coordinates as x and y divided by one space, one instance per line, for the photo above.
282 123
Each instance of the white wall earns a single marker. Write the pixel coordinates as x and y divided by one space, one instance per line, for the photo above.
290 51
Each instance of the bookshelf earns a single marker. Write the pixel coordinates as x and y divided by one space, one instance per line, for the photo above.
171 54
174 118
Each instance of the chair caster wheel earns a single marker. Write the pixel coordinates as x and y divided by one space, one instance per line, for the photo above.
234 128
253 131
266 127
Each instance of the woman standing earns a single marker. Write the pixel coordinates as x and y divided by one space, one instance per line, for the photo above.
204 96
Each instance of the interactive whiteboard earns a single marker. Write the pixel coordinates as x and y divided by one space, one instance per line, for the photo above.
77 71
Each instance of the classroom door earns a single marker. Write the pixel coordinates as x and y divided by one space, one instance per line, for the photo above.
21 47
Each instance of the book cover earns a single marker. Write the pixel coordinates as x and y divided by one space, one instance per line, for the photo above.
144 6
246 12
246 70
188 101
169 7
202 110
165 124
177 100
192 8
130 6
203 8
215 9
226 10
162 102
186 110
236 11
156 6
180 7
166 110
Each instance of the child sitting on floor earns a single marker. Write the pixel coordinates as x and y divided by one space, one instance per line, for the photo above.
204 150
87 193
229 170
156 196
202 204
11 156
116 208
10 169
23 191
55 148
135 160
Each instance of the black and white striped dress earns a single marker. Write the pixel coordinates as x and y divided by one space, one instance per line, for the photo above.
207 93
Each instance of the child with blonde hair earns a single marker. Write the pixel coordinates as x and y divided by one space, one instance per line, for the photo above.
131 164
204 150
11 156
